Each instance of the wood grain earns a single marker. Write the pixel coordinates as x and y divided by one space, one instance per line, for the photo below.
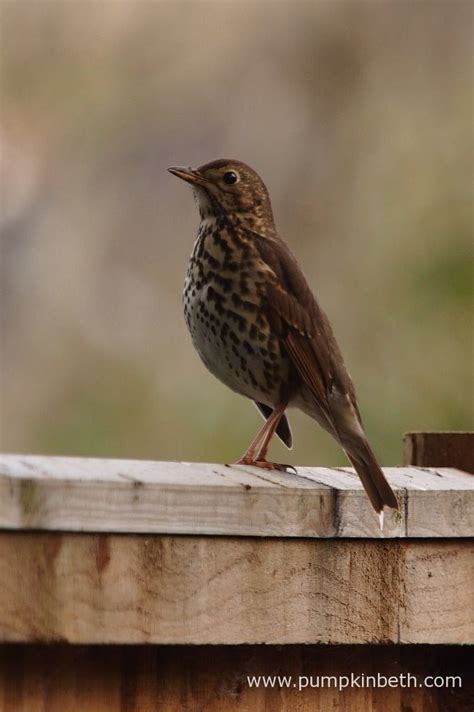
214 678
77 494
448 449
84 588
125 552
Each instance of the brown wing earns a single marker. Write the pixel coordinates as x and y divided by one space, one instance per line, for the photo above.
305 330
312 347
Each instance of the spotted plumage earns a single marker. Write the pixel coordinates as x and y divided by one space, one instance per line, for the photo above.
257 326
213 291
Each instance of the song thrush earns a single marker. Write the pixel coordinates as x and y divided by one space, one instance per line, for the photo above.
257 326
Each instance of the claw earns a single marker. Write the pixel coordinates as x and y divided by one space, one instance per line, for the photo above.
264 464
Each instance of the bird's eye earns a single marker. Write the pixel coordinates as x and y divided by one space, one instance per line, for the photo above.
230 177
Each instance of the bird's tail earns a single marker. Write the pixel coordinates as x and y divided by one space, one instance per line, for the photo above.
365 463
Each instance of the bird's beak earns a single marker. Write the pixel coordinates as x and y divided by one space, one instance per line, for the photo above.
188 174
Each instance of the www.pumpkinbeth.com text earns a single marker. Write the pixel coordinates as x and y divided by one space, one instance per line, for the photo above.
352 680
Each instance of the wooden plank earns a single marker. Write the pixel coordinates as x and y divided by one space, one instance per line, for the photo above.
435 501
85 588
64 678
438 579
440 450
78 494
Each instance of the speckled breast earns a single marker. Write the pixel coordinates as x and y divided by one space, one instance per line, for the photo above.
224 299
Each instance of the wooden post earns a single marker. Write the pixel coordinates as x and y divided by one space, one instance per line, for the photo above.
201 578
440 450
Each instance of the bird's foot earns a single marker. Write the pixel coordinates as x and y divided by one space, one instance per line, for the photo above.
266 465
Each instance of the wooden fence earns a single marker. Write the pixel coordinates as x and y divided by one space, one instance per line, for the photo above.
202 576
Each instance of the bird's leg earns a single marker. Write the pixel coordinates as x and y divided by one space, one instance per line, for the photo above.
272 423
262 441
249 456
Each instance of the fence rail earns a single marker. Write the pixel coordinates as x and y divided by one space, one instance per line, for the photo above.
133 496
189 554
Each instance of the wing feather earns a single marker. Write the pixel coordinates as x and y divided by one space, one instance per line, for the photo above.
306 331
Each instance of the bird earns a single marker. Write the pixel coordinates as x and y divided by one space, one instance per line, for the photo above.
258 327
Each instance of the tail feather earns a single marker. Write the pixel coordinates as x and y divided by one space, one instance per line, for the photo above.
378 490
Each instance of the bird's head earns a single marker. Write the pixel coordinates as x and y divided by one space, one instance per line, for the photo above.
232 189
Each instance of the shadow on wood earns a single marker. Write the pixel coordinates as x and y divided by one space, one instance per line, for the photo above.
214 678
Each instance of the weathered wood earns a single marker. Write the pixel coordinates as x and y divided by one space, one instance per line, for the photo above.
440 450
76 494
145 580
214 678
84 588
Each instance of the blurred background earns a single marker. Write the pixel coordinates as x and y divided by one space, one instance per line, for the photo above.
358 115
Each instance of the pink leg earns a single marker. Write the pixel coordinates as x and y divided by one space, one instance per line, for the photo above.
263 439
249 455
272 423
